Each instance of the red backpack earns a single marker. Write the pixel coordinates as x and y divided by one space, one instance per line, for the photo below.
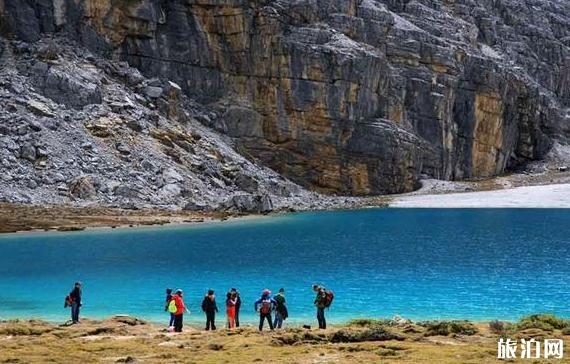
265 306
329 297
68 301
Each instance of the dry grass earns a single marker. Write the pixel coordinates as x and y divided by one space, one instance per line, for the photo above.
128 341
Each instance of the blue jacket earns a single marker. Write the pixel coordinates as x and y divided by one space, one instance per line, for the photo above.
263 298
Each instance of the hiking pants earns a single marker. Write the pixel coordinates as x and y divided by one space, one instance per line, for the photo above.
278 323
75 312
178 322
237 316
262 317
321 318
171 323
210 320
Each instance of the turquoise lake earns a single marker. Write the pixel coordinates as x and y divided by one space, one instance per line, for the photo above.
418 263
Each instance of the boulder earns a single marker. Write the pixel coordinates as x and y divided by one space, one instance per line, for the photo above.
137 125
251 203
126 191
170 175
246 183
153 92
42 152
73 89
169 191
82 187
39 108
196 206
123 148
28 151
34 125
148 165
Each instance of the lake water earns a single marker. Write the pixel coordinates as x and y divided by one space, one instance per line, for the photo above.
418 263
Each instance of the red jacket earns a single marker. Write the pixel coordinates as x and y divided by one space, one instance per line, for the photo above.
179 304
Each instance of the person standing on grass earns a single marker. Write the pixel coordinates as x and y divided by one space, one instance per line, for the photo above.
265 305
177 307
167 302
74 300
231 309
210 308
238 304
281 312
323 300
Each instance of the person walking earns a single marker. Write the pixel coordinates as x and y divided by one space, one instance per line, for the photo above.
177 307
265 305
323 300
238 304
167 302
74 300
281 312
231 309
210 308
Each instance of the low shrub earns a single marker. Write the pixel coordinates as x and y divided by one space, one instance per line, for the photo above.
445 328
215 346
498 327
545 322
377 333
366 322
21 330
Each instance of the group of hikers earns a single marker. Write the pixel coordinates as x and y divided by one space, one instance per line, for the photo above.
265 306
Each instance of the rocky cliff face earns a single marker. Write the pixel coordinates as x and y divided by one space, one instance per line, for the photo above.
344 96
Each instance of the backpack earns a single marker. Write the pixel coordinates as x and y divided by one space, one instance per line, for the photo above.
172 306
68 301
328 299
265 306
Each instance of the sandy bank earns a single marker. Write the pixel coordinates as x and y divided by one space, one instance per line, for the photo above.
547 196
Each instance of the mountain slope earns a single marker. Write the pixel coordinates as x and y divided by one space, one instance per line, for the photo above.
348 97
75 127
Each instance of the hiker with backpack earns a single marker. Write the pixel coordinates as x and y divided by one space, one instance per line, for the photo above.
281 312
177 308
167 302
73 300
323 300
238 304
231 300
265 305
210 308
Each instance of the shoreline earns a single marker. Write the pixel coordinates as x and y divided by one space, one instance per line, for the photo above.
220 319
546 190
101 218
123 227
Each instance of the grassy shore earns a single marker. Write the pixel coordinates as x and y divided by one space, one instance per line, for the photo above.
126 340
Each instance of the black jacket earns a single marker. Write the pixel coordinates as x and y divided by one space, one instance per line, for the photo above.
209 304
238 302
75 295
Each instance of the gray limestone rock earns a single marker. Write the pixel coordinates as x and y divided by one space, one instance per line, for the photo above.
251 203
82 188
